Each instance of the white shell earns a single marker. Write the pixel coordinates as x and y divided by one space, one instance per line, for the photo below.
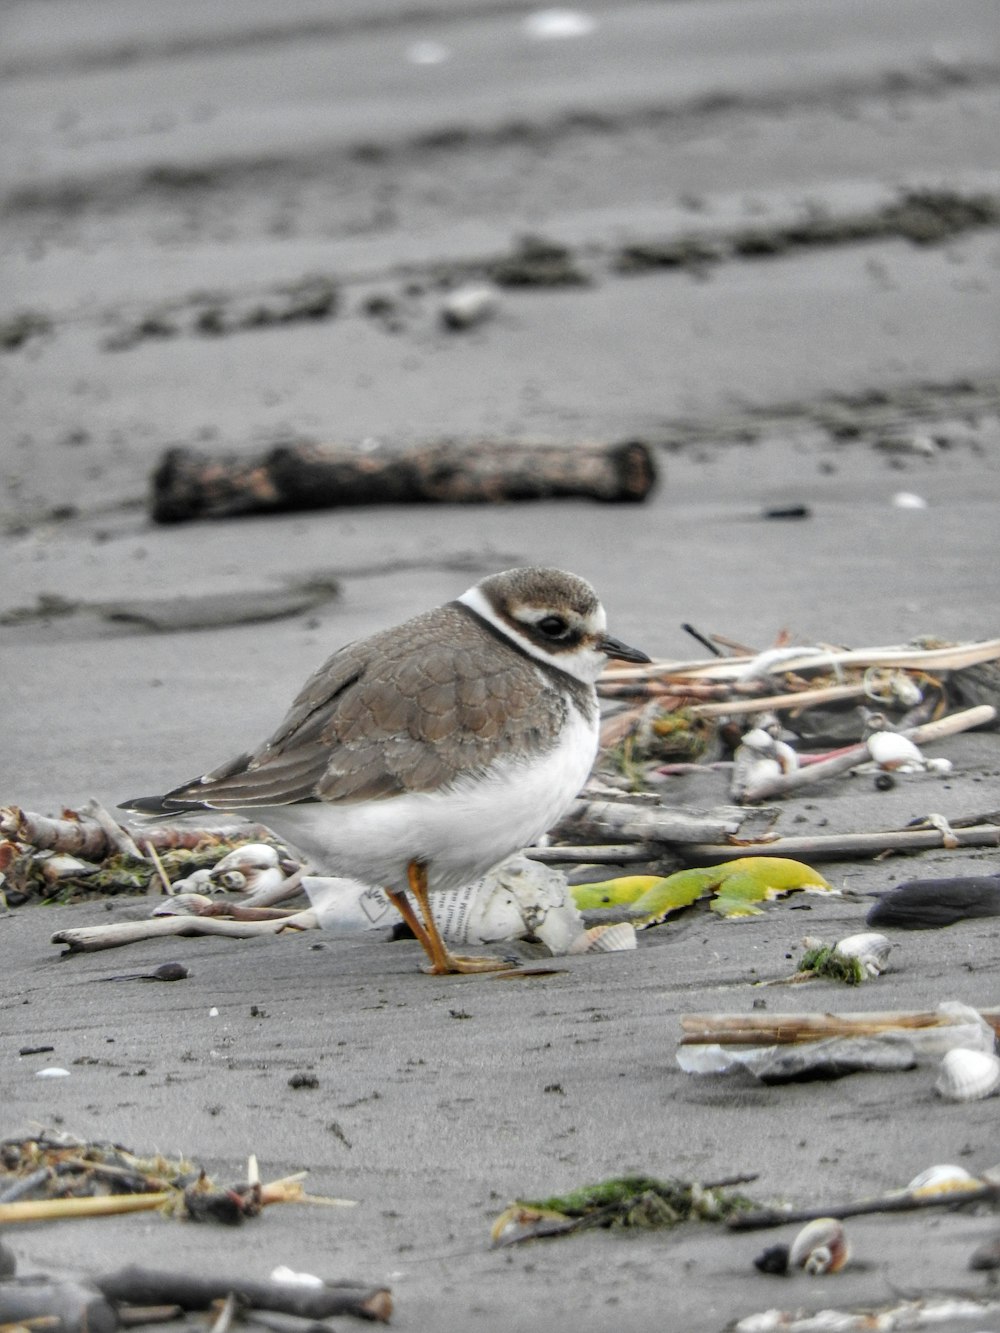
182 904
820 1247
968 1076
199 881
758 740
892 751
251 856
469 305
870 949
940 1179
610 938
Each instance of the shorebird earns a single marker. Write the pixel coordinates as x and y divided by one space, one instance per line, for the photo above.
420 757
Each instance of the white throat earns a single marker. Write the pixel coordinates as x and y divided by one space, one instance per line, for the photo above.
583 663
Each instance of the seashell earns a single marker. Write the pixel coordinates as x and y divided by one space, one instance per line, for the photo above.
968 1076
251 856
469 305
231 879
611 938
56 866
869 948
182 904
938 765
759 740
199 881
942 1179
894 752
820 1247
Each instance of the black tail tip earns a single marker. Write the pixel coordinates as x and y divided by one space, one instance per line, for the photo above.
144 805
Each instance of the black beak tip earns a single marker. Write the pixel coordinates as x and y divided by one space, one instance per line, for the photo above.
622 652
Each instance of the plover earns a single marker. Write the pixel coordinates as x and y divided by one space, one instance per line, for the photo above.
420 757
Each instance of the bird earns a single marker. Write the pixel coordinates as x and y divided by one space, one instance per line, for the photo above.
420 757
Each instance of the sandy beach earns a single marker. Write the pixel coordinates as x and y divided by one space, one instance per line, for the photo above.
778 254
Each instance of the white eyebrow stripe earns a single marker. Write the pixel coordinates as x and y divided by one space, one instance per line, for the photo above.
582 662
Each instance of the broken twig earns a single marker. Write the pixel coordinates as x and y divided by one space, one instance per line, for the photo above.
785 1029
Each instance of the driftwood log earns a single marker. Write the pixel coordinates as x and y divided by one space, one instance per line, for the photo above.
147 1286
188 484
61 1305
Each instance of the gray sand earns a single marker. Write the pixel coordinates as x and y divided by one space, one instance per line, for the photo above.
207 149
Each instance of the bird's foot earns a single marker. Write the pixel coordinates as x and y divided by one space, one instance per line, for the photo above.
455 963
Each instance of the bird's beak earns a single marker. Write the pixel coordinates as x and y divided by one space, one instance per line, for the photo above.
621 651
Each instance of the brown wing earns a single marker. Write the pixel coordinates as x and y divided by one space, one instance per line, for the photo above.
409 709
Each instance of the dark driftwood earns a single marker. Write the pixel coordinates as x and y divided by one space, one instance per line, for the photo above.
902 1202
188 484
148 1286
64 1305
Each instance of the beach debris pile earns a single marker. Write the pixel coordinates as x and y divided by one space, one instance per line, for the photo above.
768 712
87 853
821 1246
52 1176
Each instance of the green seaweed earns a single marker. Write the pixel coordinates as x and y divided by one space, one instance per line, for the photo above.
825 961
643 1202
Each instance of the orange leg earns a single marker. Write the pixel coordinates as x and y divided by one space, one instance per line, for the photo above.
402 906
442 960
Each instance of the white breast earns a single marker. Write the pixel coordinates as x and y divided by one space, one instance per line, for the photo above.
459 832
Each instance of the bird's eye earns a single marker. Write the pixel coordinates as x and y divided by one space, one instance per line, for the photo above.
553 627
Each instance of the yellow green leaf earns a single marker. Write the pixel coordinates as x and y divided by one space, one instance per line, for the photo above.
674 892
775 875
612 892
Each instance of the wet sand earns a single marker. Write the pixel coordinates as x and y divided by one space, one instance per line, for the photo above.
201 160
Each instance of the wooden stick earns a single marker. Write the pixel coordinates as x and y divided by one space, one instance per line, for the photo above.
188 484
901 1202
775 702
145 1286
599 854
789 1029
87 939
952 658
836 846
105 1205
